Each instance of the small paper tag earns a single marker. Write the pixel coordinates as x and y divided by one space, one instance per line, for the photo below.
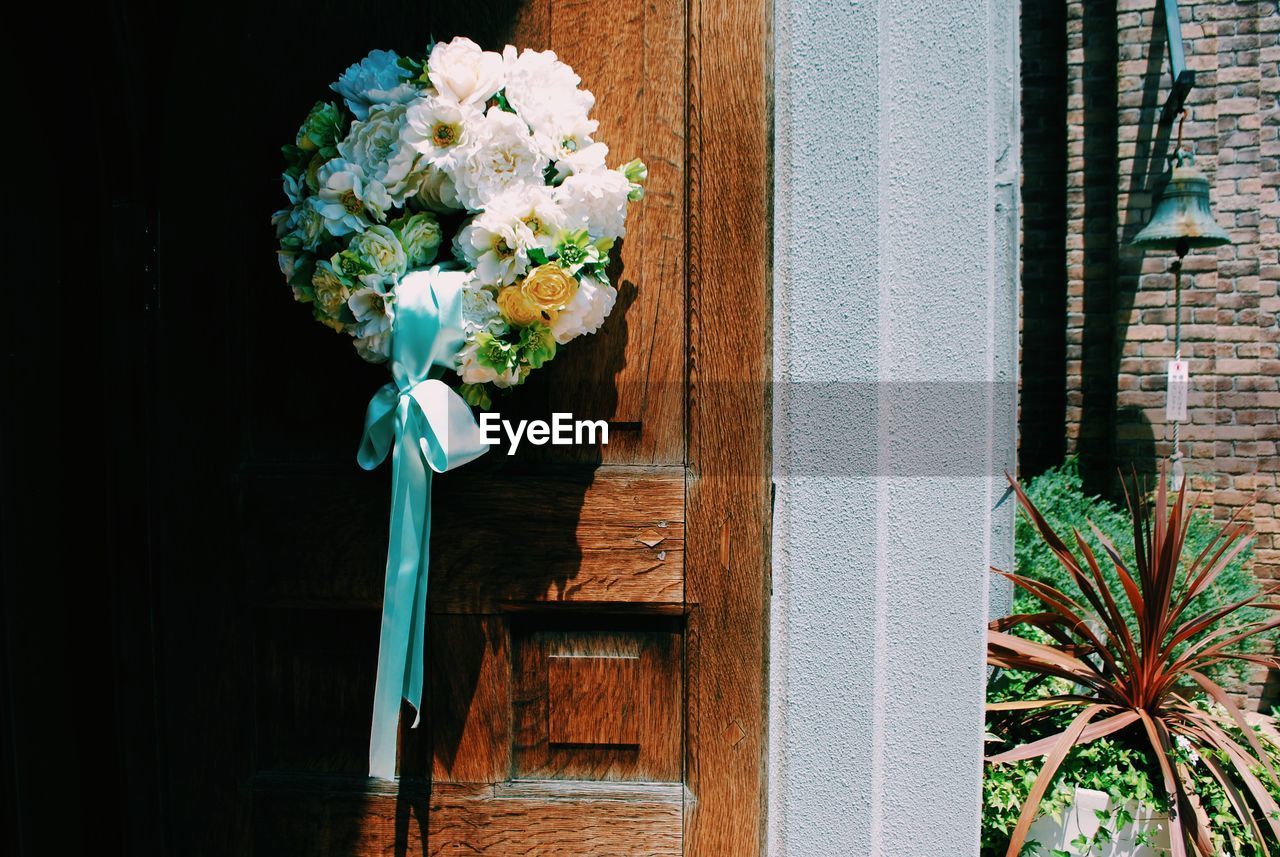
1175 404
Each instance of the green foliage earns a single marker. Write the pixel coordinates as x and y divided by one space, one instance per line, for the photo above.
1123 770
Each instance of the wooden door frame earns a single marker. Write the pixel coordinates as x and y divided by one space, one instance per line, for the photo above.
728 477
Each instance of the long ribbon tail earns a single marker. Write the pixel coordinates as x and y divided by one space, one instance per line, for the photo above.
401 642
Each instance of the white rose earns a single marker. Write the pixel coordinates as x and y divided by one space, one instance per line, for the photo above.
596 202
308 227
405 172
503 156
379 247
462 72
589 308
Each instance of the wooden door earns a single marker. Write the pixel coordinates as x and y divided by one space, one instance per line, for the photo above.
597 616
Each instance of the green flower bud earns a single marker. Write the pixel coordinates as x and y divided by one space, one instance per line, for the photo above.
635 172
476 396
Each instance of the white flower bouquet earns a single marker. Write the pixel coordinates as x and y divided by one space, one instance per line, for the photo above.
488 154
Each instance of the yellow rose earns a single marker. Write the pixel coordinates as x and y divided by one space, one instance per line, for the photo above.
549 286
518 309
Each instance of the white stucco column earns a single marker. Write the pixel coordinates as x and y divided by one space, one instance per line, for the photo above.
896 166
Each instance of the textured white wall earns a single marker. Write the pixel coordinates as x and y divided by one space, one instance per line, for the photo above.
895 249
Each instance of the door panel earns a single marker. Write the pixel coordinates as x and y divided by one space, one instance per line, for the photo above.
598 699
579 700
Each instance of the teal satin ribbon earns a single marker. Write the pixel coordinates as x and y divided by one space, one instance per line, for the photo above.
427 427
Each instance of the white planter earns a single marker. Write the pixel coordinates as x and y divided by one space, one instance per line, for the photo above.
1080 818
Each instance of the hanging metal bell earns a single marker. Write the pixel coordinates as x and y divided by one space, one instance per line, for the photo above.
1183 219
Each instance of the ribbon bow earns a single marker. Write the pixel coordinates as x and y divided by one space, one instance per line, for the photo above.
424 424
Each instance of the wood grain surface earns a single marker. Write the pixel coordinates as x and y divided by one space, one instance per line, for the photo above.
728 511
539 820
616 732
608 534
338 817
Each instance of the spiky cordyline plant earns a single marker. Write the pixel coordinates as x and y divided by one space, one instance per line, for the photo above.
1148 677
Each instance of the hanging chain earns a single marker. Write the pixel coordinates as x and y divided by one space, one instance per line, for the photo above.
1176 267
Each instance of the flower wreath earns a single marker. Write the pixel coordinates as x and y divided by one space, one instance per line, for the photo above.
488 154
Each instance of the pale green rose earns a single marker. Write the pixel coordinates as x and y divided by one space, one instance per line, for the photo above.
331 289
309 228
419 235
374 142
321 127
380 250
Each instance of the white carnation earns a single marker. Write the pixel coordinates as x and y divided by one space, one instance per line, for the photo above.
479 311
596 202
544 91
374 142
462 72
589 159
503 156
589 308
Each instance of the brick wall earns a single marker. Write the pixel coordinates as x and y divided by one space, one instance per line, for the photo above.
1118 312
